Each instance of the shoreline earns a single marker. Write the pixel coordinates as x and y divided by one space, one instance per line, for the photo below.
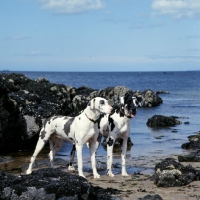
138 184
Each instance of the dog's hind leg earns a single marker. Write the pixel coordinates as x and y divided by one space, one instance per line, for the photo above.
55 144
71 161
123 155
40 144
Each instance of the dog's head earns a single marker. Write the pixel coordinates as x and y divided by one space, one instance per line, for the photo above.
129 104
100 104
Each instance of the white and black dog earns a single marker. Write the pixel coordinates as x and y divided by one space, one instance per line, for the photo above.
78 130
116 125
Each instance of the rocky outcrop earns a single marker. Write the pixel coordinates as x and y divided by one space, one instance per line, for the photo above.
170 173
194 142
191 157
52 184
162 121
25 103
151 197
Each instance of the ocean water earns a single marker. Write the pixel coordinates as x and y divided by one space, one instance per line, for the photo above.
182 101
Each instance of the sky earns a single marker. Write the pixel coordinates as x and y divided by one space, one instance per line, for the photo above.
100 35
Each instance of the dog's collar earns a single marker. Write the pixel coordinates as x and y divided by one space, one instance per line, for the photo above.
124 113
94 121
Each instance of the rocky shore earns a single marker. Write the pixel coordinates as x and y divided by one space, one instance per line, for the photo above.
25 103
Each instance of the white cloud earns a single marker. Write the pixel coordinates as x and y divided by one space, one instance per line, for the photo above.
16 37
176 8
71 6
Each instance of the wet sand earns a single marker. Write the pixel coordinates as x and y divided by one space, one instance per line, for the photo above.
137 185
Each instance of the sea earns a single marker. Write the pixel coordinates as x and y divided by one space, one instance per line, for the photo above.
182 100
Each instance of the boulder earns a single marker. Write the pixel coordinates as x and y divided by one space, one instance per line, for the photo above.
191 157
194 142
170 173
52 184
162 121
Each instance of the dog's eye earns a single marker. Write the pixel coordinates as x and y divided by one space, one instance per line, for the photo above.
102 102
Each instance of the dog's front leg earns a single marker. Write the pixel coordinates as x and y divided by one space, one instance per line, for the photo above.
110 144
80 160
123 155
92 146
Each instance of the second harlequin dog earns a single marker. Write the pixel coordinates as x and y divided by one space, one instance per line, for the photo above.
116 125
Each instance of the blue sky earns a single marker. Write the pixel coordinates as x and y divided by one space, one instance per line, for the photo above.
100 35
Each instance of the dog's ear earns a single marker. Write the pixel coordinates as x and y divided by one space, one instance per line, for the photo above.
92 103
139 101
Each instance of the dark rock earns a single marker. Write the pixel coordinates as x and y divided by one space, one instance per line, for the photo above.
50 184
191 157
151 197
170 173
162 121
194 142
162 92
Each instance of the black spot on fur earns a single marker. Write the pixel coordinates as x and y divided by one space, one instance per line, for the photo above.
110 142
111 123
45 122
68 125
99 120
43 133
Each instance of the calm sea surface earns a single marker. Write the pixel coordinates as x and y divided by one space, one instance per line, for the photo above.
183 101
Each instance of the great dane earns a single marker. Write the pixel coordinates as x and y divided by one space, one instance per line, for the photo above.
78 130
116 125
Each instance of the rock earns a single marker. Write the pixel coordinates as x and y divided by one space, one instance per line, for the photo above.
170 173
191 157
50 184
150 99
25 103
162 121
162 92
151 197
194 142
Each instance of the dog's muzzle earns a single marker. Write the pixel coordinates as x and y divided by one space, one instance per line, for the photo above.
133 112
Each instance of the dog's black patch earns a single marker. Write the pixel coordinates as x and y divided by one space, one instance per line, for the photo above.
99 120
43 133
79 118
72 153
111 123
45 122
68 125
55 117
110 142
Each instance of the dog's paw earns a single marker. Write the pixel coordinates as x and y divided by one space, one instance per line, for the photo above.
96 176
125 174
71 168
110 174
28 172
82 176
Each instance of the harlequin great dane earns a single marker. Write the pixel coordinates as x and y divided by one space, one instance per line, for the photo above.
78 130
117 125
